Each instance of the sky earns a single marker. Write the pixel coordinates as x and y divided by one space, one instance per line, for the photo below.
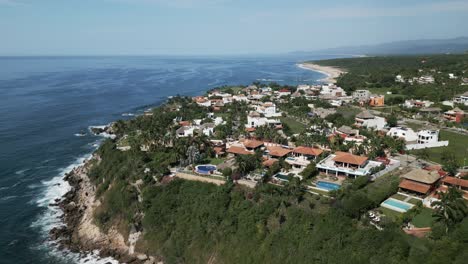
184 27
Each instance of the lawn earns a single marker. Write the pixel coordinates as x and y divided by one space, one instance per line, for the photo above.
424 218
295 126
458 144
399 196
215 161
414 201
348 111
394 215
414 126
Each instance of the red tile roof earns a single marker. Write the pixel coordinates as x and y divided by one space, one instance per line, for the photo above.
455 181
251 143
414 186
269 162
308 151
349 158
218 150
239 151
278 151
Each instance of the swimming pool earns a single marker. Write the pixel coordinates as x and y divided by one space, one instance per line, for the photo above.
396 205
328 186
281 177
205 169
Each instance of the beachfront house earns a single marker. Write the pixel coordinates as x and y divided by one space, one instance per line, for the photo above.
347 164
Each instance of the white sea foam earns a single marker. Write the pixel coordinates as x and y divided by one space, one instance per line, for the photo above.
54 189
128 114
79 135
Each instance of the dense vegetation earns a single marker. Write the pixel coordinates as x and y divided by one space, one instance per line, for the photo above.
193 222
380 72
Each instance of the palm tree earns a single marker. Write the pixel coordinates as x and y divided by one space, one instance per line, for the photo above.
450 209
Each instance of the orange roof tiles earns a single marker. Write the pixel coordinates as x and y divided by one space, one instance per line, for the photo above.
455 181
218 150
414 186
251 143
278 151
308 151
269 162
239 151
349 158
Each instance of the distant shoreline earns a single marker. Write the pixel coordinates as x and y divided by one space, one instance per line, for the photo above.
332 72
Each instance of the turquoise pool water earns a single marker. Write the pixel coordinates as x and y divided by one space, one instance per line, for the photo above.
398 204
329 186
282 177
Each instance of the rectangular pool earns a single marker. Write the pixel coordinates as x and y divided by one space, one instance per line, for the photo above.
282 177
396 205
327 186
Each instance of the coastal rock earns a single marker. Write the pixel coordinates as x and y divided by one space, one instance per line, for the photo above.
142 257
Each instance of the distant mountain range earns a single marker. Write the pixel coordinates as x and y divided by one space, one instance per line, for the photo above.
422 46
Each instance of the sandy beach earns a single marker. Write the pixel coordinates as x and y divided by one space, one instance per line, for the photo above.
332 72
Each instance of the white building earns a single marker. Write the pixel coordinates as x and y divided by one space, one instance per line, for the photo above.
207 129
268 109
284 92
240 98
367 120
332 91
461 99
426 79
404 133
361 95
303 87
428 136
399 79
417 103
452 76
185 131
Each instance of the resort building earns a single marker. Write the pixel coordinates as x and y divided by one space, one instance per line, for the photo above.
347 164
207 129
419 181
367 120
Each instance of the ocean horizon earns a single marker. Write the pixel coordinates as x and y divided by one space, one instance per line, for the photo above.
49 103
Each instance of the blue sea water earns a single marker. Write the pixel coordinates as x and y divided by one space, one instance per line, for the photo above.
45 101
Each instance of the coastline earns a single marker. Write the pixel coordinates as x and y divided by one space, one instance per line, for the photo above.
80 234
332 72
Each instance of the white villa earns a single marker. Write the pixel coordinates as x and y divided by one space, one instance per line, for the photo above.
461 99
367 120
404 133
185 131
301 157
347 164
254 119
268 109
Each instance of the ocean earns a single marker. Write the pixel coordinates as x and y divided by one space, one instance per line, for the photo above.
47 102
